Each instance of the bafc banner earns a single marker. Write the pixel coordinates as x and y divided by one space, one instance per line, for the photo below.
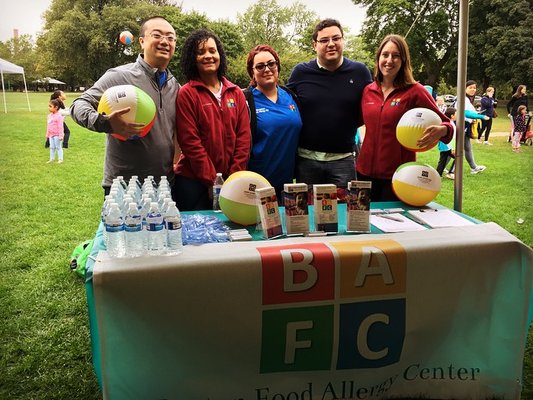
362 307
436 314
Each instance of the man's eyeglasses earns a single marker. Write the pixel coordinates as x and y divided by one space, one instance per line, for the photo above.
159 37
272 65
334 39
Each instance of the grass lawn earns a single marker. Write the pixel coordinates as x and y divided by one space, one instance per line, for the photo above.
50 208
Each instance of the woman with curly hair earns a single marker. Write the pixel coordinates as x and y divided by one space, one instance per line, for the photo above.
213 127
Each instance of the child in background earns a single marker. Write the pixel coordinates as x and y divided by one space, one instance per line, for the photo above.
520 125
476 124
54 131
65 112
447 150
441 104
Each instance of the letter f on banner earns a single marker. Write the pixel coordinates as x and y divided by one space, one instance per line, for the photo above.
292 342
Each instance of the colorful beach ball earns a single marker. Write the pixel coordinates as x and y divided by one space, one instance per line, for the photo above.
411 127
142 106
126 38
416 184
237 196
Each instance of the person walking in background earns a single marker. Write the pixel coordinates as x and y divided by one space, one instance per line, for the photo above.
61 97
212 119
470 116
487 108
54 131
447 150
274 118
329 90
520 127
519 98
393 92
154 153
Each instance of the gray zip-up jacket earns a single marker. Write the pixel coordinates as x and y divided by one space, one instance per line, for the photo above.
154 153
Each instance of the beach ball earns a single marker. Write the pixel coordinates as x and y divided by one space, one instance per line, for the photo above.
411 127
416 184
142 107
126 38
237 196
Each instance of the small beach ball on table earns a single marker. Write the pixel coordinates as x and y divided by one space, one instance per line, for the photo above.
237 196
416 184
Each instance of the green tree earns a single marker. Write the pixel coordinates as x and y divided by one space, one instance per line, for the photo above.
501 42
80 40
280 27
431 27
20 51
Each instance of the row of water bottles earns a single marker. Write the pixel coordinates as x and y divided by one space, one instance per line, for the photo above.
141 219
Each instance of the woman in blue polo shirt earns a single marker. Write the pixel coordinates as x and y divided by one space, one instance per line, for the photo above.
274 118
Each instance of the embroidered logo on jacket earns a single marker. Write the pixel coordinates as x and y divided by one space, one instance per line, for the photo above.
395 102
292 107
231 103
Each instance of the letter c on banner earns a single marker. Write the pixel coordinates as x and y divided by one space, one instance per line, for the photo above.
290 267
362 335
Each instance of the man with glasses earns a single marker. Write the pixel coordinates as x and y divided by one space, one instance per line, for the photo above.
154 153
329 90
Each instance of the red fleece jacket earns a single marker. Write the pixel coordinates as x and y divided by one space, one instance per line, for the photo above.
381 153
213 138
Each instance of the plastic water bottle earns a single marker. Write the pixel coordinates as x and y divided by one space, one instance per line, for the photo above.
217 186
133 232
108 199
156 232
144 210
114 227
173 226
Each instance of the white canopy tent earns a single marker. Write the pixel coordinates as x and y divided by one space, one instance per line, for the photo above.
9 68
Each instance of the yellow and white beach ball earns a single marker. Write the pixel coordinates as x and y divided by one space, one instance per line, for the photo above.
142 107
237 196
411 127
416 184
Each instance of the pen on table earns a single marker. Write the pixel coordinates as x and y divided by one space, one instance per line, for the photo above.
428 209
392 218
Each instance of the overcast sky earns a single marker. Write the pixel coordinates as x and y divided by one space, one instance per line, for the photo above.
26 15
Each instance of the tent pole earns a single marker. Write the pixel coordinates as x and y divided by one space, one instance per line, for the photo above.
26 90
4 92
461 97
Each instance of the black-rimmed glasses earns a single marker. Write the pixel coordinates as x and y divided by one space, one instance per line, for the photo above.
272 65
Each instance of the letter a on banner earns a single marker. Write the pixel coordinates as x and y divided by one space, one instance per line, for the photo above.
382 268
